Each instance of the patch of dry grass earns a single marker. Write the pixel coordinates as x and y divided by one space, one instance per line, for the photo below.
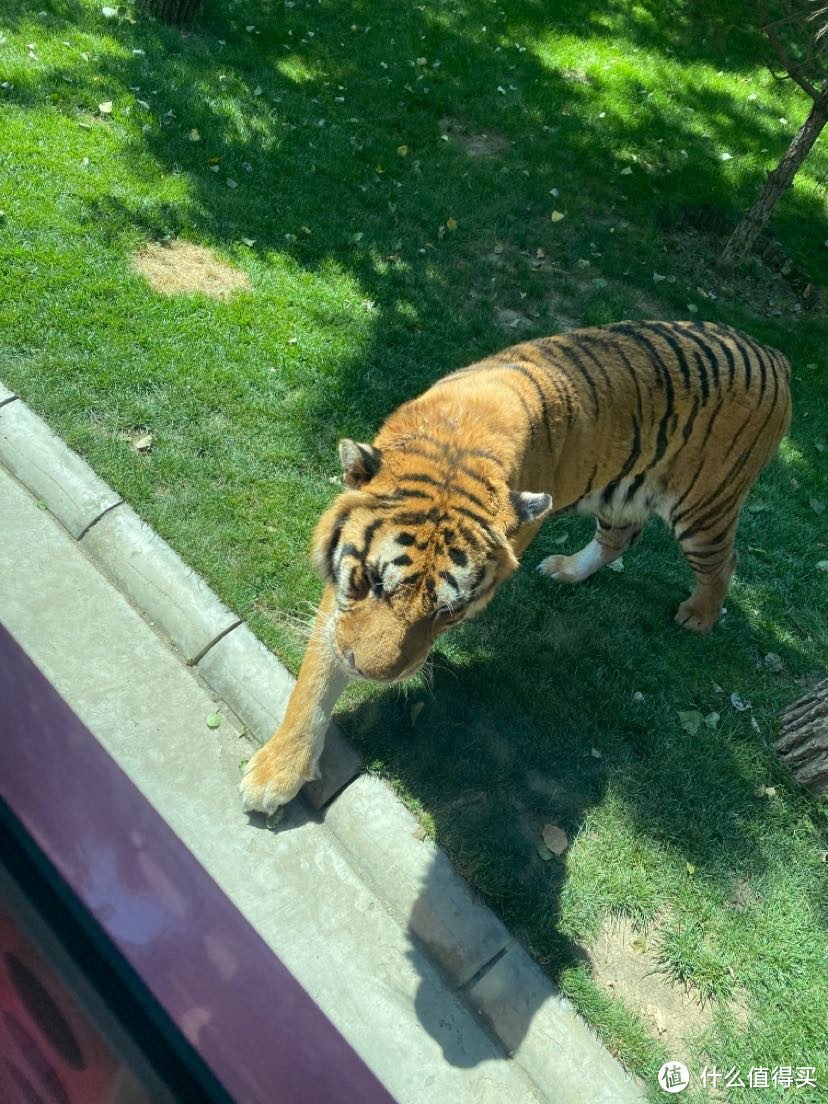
181 268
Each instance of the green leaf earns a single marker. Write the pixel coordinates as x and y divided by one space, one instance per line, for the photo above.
690 720
214 720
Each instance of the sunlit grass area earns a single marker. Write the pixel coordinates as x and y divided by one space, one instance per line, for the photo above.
386 176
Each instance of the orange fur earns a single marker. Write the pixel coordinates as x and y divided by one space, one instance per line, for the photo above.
621 421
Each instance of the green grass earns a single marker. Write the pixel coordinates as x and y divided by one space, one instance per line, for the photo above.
362 295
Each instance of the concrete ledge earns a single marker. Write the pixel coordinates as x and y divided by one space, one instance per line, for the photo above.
144 566
250 679
415 877
545 1035
5 394
51 471
257 687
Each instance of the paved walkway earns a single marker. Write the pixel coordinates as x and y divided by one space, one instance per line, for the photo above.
423 981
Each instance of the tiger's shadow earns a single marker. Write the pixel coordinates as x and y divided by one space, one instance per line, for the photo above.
554 702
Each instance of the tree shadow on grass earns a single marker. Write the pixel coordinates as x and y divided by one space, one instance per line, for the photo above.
305 115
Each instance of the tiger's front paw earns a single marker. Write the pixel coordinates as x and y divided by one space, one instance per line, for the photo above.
274 776
559 568
697 615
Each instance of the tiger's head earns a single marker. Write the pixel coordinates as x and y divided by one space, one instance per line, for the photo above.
415 545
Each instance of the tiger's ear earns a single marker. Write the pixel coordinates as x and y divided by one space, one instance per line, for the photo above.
359 462
529 507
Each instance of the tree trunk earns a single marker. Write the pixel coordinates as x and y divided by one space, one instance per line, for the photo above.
178 12
776 185
803 745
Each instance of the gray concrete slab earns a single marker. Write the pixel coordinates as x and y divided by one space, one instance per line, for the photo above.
52 472
144 567
296 885
414 876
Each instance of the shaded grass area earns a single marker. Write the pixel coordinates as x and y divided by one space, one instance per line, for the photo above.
346 141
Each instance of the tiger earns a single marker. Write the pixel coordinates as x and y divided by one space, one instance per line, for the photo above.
623 421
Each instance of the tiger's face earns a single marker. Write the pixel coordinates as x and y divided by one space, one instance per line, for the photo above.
410 554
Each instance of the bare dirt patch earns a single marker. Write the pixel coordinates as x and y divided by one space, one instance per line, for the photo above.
624 961
489 144
182 268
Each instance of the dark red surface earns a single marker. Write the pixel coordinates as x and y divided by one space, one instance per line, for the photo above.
250 1021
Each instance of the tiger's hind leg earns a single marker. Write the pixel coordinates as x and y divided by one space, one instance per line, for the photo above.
609 542
712 559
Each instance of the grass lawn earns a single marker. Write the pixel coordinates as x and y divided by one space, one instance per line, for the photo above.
385 175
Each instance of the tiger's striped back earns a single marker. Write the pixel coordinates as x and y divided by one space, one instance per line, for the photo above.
620 421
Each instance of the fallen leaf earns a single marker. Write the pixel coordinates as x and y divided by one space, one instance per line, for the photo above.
691 870
817 505
213 160
712 720
194 135
419 833
231 183
690 720
402 151
543 852
774 662
595 753
451 224
738 704
556 216
105 108
213 720
109 13
143 443
822 565
616 565
555 839
725 156
627 171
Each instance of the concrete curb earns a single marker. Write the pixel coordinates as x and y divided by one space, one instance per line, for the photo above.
146 569
411 876
557 1048
51 471
416 879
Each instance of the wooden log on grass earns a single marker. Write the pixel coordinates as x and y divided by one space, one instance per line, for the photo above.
803 744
